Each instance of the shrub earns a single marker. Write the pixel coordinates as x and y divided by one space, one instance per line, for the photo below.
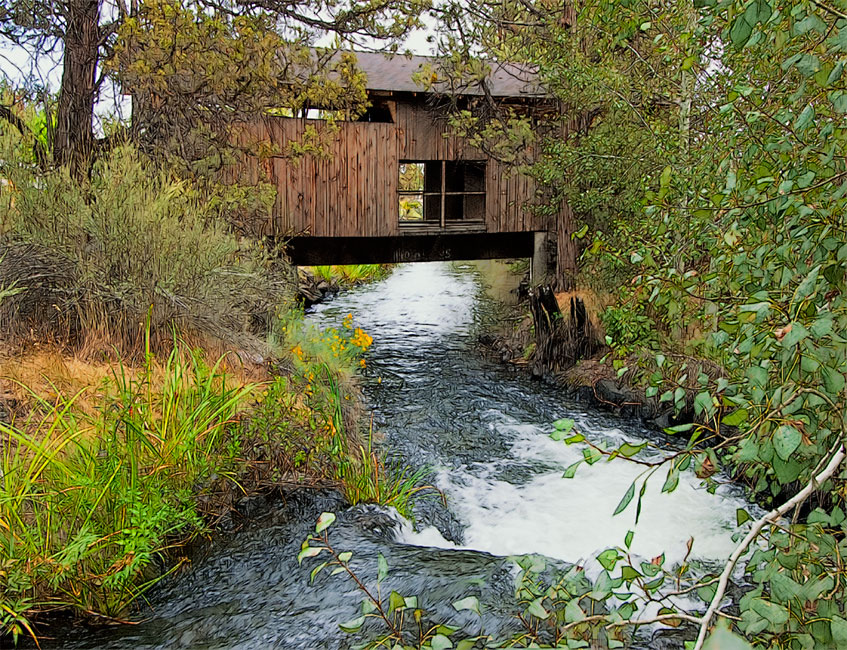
96 262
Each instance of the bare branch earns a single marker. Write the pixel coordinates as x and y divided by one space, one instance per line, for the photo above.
758 525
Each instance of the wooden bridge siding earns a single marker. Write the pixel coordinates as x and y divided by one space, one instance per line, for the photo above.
353 192
421 137
346 194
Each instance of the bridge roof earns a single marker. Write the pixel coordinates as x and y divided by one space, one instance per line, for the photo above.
393 73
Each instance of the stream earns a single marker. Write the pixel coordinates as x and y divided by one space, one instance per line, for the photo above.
484 433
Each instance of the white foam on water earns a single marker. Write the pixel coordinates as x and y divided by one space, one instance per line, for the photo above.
573 519
430 297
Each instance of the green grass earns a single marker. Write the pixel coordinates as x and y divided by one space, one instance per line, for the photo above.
98 489
353 274
87 503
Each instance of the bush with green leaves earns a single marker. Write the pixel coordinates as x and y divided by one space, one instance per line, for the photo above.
94 262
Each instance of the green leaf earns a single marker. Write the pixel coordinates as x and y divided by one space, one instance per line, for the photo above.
627 450
537 609
703 403
629 573
808 64
630 493
821 327
344 557
440 642
570 471
833 380
775 614
735 418
758 376
591 456
761 309
608 559
471 603
309 551
741 516
838 628
316 571
723 639
783 588
564 424
807 286
382 568
786 439
395 601
680 428
627 541
324 521
672 480
353 625
573 612
795 336
805 118
740 31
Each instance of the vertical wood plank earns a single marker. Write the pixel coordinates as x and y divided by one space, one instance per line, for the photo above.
443 195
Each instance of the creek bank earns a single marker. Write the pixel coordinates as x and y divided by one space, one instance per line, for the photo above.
312 289
315 284
556 339
562 338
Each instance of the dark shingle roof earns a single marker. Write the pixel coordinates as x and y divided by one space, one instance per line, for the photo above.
388 72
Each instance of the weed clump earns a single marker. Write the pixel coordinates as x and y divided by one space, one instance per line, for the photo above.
92 263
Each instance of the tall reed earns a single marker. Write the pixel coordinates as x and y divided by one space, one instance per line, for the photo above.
88 503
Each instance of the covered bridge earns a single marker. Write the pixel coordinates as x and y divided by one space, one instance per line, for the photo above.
396 187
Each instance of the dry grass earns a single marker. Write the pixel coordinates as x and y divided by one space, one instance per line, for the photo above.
48 373
594 303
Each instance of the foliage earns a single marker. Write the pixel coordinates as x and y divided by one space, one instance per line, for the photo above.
134 245
85 35
351 274
90 502
743 241
326 440
401 619
726 124
555 608
197 78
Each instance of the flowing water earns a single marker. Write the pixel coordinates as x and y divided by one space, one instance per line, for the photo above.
484 432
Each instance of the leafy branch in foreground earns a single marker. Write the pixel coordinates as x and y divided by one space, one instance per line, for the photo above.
760 611
396 613
565 609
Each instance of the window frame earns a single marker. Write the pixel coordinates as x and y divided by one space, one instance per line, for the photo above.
442 194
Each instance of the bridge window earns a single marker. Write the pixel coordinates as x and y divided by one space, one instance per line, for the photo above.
438 192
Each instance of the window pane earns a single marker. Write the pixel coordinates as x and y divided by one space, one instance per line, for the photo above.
411 207
411 177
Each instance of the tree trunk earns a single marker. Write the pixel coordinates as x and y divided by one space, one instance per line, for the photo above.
75 113
566 249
